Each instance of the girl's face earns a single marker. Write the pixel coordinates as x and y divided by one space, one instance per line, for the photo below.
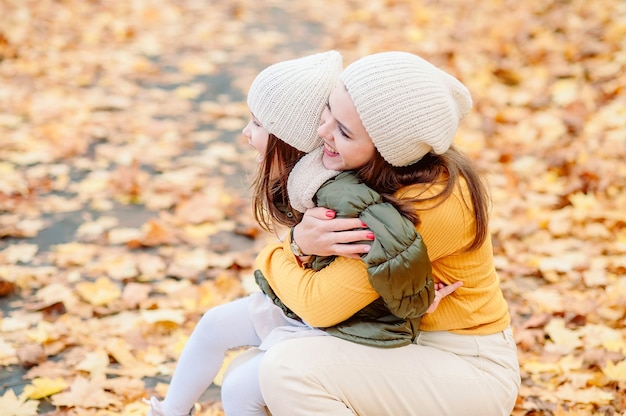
257 136
347 145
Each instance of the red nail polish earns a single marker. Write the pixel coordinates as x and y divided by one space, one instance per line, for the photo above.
363 224
330 213
370 236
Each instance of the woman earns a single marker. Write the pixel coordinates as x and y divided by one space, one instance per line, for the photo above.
392 118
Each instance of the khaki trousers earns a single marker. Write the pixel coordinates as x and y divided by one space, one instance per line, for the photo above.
440 374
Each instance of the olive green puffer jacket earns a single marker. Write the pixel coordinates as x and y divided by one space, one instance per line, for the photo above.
397 263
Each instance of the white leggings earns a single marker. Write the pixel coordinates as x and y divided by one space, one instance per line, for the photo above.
241 392
251 321
220 329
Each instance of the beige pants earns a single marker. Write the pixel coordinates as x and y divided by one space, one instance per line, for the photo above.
441 374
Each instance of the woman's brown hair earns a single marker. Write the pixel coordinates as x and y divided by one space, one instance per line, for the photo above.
270 201
432 169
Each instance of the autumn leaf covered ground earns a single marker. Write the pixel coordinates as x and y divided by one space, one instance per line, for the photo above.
124 210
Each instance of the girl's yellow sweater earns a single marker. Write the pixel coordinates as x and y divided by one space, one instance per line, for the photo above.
335 293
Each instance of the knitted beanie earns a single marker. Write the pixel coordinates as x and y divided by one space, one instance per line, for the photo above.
288 97
407 105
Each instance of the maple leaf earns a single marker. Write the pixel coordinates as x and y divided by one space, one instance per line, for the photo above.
155 232
135 409
201 208
86 393
12 405
22 253
129 364
564 339
616 372
163 315
126 386
30 355
100 292
585 395
123 235
8 354
43 387
135 293
94 362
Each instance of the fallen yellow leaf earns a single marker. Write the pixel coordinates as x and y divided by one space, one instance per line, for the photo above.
44 387
616 372
100 292
163 315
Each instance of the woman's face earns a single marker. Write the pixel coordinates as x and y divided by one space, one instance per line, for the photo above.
257 136
347 145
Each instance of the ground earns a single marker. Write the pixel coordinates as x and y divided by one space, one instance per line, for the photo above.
124 200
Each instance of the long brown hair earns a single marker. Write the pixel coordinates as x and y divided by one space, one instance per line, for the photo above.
270 201
432 169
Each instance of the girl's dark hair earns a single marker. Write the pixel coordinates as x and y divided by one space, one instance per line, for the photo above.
432 169
270 201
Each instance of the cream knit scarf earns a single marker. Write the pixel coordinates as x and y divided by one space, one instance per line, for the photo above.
306 178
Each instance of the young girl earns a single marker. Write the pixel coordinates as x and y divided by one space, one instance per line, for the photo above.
286 100
392 118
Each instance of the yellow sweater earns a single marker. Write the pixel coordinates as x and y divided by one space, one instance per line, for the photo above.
335 293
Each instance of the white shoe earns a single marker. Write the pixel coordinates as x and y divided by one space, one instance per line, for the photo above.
156 407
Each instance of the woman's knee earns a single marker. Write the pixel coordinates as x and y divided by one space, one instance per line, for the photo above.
277 361
286 365
273 371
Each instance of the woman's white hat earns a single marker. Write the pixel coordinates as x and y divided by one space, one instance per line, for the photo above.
288 97
408 106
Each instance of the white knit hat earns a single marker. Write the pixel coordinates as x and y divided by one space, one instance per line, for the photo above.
288 97
407 105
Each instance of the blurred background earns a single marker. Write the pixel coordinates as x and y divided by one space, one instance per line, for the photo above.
124 180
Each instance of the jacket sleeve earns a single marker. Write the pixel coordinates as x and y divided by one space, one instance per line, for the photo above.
398 265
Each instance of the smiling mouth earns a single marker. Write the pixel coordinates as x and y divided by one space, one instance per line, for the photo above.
329 149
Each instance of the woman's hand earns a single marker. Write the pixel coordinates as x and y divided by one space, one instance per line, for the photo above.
322 234
441 291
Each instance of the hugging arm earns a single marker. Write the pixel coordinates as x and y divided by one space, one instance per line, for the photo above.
316 235
324 298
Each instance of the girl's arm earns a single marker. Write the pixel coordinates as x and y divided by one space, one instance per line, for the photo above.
323 298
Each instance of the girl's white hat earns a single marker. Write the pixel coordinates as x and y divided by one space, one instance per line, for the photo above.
408 106
288 97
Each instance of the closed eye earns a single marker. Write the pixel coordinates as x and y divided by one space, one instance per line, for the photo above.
345 132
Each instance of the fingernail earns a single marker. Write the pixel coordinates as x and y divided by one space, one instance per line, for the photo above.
363 224
330 213
366 249
370 236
